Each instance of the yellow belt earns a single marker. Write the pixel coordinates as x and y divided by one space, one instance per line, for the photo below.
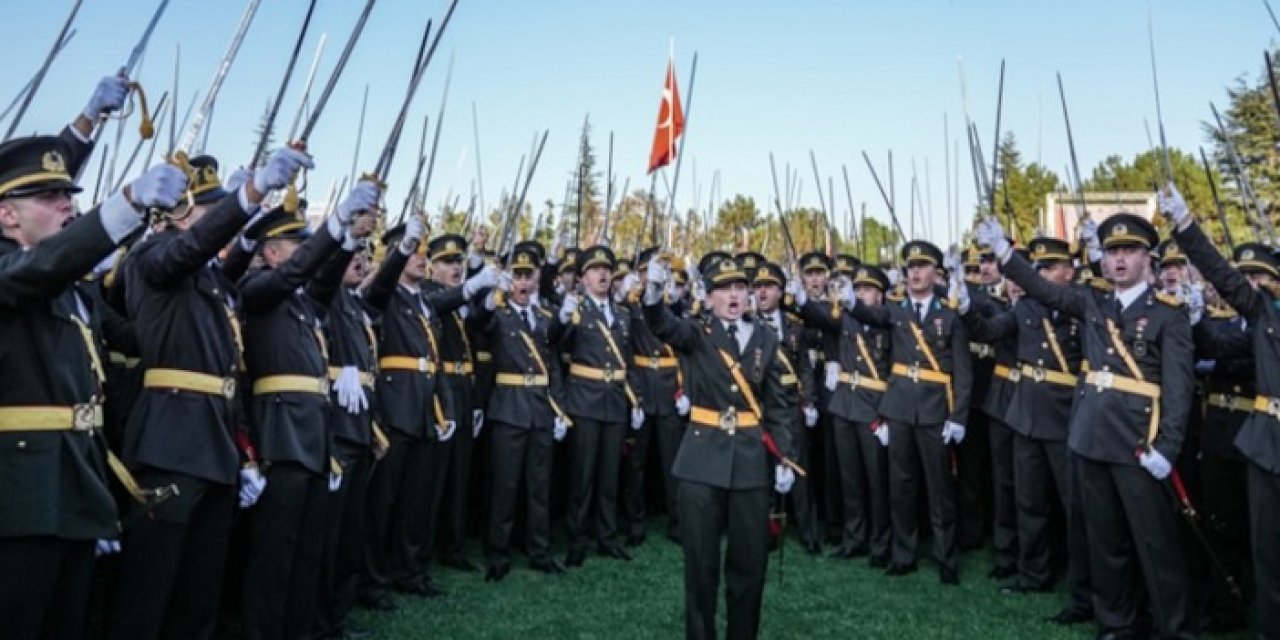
1269 406
522 380
458 368
1005 373
656 363
592 373
290 384
1104 380
406 363
982 350
121 360
484 356
366 378
81 417
1040 374
916 374
789 380
189 381
730 420
816 355
858 380
1230 402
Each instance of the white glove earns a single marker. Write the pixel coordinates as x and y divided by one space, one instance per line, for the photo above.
412 234
656 272
810 416
350 392
783 478
630 282
1172 204
637 419
832 377
364 197
952 262
990 234
280 169
795 289
569 307
450 426
251 486
559 428
1089 236
1206 367
108 96
1195 303
1155 463
161 186
952 433
335 482
881 432
895 277
848 298
504 281
477 422
486 278
104 547
682 405
959 291
237 179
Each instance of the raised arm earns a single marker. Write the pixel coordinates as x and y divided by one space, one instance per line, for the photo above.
1069 299
1230 283
173 260
263 289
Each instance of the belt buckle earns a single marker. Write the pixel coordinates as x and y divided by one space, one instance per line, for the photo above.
529 379
324 386
1015 375
229 388
422 365
82 416
855 379
729 420
655 363
913 372
1273 407
1038 374
608 373
1103 380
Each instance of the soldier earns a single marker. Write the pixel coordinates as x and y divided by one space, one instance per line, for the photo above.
1252 294
1048 355
658 379
816 270
1174 271
181 431
416 412
524 415
288 361
55 502
596 333
926 406
1127 424
798 388
738 401
856 384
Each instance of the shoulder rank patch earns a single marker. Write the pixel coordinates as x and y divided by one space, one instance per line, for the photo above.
1169 299
1101 284
1221 313
576 318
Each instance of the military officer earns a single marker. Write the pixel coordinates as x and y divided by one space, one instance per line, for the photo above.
1127 424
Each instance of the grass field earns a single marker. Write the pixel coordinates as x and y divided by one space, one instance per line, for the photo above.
817 597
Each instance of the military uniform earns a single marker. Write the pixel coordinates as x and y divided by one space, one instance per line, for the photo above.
181 429
600 388
1137 394
862 355
1259 437
54 498
722 463
929 386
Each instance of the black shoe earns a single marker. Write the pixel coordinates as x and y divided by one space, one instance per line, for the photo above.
948 576
813 548
575 558
900 569
635 539
495 573
377 602
1017 588
1002 573
675 539
849 553
355 633
1071 615
613 551
459 563
878 562
424 589
548 566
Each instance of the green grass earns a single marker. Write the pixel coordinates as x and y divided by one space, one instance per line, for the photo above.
817 597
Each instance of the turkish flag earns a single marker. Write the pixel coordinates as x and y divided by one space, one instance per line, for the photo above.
670 123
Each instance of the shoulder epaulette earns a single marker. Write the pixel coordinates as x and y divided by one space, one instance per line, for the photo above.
1221 313
793 317
545 313
1169 299
951 303
895 297
1101 284
576 318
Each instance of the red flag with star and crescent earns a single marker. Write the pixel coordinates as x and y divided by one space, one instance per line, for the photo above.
670 123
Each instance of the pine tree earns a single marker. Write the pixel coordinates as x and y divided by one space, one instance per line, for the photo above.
261 127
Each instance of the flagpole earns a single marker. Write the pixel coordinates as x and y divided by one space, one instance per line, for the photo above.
675 179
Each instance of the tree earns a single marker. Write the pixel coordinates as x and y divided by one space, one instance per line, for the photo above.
264 125
1021 191
1250 122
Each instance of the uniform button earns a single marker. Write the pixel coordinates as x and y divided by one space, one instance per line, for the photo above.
1106 368
1110 351
733 388
215 291
1040 362
1044 345
1146 410
22 444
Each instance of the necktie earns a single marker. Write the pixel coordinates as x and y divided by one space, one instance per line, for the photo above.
773 324
733 333
920 311
524 316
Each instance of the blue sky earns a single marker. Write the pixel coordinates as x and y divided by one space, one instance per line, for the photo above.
832 76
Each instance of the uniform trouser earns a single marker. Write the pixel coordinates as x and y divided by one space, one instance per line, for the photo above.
286 544
44 587
387 512
831 501
973 481
344 541
1040 476
458 494
909 445
174 557
666 429
1130 513
803 503
426 475
864 486
595 453
1264 531
520 453
1004 510
706 512
1224 502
